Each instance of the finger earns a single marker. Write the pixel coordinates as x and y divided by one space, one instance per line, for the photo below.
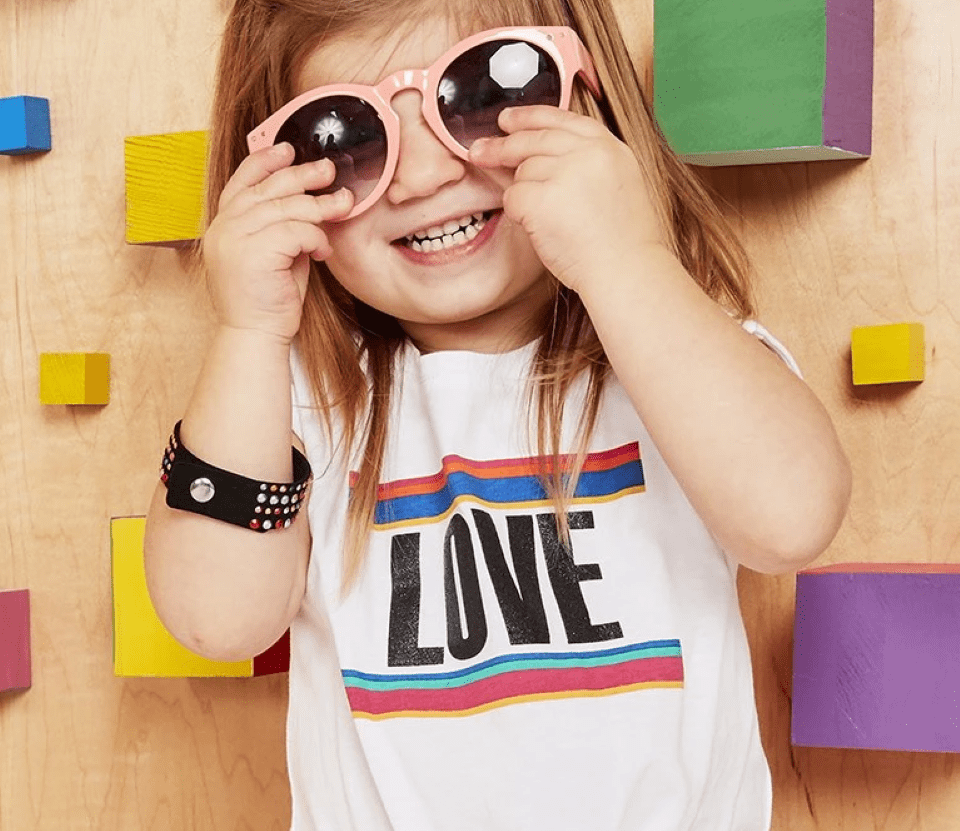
301 178
510 151
542 117
285 181
255 168
536 169
288 240
298 208
520 201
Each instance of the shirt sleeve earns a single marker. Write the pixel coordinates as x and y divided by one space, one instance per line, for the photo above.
763 335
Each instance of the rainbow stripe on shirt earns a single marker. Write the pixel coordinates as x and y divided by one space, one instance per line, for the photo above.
512 679
503 483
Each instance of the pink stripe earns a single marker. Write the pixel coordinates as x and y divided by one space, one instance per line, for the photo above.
521 682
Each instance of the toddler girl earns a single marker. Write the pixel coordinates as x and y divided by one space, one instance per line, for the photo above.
541 428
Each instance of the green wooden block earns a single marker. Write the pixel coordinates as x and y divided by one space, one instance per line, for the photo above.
755 81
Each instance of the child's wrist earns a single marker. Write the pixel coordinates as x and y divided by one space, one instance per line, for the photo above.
640 263
263 335
255 337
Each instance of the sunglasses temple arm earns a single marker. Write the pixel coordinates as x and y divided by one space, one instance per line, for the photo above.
589 71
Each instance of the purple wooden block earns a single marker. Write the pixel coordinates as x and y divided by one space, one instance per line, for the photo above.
14 640
876 660
848 87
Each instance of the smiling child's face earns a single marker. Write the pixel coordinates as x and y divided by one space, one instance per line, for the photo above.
483 292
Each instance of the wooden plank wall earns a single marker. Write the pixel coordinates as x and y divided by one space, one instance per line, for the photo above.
835 245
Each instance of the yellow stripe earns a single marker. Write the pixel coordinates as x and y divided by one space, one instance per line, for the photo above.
539 503
503 702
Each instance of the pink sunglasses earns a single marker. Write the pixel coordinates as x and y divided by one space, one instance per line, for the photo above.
463 93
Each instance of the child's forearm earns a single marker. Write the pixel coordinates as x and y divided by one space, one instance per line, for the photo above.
224 591
752 447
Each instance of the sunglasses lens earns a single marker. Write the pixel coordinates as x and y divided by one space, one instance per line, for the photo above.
489 78
346 130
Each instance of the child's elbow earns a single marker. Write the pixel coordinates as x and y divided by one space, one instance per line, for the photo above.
806 530
217 648
223 643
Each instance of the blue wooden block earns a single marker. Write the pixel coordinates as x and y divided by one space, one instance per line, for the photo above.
24 125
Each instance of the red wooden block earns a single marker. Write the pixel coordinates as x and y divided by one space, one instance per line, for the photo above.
15 640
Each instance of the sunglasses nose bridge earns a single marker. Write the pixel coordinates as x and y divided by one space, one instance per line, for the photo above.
404 79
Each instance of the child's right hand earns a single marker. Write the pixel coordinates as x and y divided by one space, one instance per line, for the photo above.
258 248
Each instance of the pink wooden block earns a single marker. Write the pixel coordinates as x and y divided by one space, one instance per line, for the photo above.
14 640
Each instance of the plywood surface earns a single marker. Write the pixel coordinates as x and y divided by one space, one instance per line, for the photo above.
82 749
836 245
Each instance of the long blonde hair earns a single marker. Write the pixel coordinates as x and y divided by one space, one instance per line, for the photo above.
348 349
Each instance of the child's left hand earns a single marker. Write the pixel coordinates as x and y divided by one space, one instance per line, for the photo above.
578 191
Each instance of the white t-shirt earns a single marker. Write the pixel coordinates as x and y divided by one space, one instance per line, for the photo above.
483 677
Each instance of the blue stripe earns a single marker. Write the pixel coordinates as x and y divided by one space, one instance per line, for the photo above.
505 490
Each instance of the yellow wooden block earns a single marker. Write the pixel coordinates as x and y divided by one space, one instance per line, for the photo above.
74 378
888 354
142 645
165 181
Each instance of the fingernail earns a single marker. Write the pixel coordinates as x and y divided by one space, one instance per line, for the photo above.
281 149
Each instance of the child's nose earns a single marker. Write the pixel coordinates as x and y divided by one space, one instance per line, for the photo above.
424 164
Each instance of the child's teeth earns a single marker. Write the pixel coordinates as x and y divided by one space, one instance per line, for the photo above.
452 234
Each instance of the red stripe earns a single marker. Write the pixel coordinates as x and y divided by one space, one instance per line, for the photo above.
521 682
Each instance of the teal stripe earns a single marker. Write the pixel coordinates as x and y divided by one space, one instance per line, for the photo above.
572 657
404 682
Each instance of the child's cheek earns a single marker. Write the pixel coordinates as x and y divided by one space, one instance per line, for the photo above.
348 242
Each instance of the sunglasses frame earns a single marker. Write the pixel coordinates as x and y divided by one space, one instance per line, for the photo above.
562 43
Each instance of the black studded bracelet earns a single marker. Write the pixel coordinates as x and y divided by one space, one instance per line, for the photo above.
198 487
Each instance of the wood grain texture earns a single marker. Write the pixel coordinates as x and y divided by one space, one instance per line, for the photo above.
835 244
83 749
166 187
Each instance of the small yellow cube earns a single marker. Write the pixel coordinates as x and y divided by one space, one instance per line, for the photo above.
889 354
74 378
